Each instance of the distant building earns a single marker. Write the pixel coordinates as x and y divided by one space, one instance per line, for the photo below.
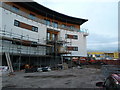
104 55
34 34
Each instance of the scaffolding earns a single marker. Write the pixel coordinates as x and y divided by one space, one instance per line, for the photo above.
14 44
20 45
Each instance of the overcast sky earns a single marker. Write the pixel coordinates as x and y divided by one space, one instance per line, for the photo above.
102 18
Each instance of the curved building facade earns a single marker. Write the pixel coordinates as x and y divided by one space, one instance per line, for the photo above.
34 34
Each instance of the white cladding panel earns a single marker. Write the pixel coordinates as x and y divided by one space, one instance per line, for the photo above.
8 25
1 18
12 31
80 43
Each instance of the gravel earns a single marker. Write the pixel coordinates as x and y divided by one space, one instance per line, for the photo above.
70 78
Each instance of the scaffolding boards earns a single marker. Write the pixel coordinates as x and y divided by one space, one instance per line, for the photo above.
9 62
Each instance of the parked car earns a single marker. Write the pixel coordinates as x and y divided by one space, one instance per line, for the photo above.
111 83
44 69
4 70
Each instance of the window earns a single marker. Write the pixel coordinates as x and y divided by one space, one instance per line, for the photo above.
34 28
14 8
75 37
55 24
25 26
48 36
72 27
47 22
75 48
110 84
16 23
53 36
63 26
34 43
71 36
72 48
32 16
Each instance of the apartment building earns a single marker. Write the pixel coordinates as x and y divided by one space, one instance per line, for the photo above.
34 34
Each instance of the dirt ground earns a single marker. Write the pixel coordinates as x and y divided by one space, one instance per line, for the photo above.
70 78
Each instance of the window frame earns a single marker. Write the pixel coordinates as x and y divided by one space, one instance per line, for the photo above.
71 36
63 26
47 22
55 24
25 26
71 48
16 23
32 16
16 9
75 36
34 28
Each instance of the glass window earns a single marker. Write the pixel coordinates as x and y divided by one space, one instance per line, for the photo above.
72 48
107 83
55 24
34 28
71 36
63 26
14 8
72 27
66 36
53 36
75 48
48 36
16 23
34 43
32 16
47 22
75 37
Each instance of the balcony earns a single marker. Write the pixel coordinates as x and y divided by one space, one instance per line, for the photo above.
42 21
84 31
62 50
59 41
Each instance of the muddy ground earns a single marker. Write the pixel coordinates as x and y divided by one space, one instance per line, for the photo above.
70 78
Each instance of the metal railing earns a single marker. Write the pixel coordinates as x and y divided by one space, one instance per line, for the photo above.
24 50
16 35
42 21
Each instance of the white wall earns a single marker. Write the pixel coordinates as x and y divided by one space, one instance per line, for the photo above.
1 18
80 43
8 25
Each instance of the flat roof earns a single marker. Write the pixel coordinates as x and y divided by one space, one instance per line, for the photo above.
44 11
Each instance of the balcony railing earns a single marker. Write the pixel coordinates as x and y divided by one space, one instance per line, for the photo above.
63 50
84 31
59 41
26 15
11 48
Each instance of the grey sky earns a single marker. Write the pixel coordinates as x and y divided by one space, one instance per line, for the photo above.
102 20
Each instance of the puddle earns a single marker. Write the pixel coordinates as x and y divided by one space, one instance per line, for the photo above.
51 76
